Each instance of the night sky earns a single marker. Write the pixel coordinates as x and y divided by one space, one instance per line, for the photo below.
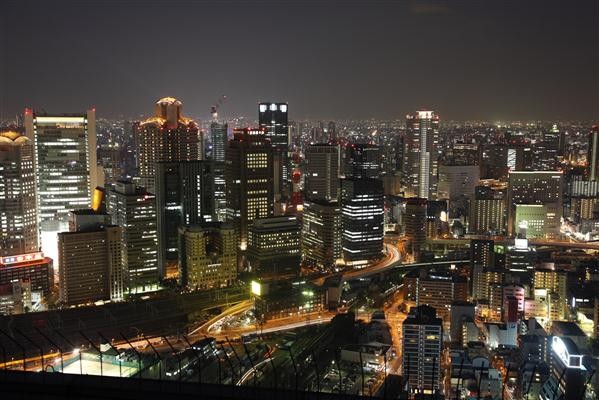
492 60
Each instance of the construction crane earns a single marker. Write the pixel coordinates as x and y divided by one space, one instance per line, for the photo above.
214 108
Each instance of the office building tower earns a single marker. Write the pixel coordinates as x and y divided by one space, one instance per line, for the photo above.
537 187
548 150
248 180
555 282
363 161
207 255
421 156
415 225
593 153
109 164
332 131
457 181
362 220
218 136
505 158
167 136
568 377
134 210
322 172
321 234
488 210
65 168
32 267
18 219
218 133
462 312
274 246
438 290
90 261
482 252
273 118
184 196
422 343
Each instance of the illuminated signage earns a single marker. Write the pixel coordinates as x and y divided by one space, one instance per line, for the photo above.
22 258
561 351
256 288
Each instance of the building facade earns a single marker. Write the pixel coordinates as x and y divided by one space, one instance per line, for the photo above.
322 172
421 155
321 234
18 218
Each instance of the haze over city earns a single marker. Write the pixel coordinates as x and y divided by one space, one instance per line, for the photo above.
469 60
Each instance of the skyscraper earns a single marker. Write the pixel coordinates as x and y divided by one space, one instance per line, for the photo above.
90 260
422 342
421 157
65 168
134 210
568 378
167 136
593 153
218 134
363 161
249 180
362 219
18 220
273 118
322 172
321 233
184 196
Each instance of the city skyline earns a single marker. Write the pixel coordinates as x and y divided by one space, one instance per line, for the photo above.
334 60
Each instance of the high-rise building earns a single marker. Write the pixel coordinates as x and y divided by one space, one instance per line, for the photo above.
438 290
422 343
322 172
488 210
249 182
568 377
482 252
593 153
167 136
363 161
273 118
134 210
548 150
18 219
207 255
184 196
536 187
90 261
555 282
415 225
321 234
505 158
218 134
421 156
362 220
65 168
531 218
456 181
274 246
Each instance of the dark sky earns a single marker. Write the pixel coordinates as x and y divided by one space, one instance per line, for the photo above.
329 59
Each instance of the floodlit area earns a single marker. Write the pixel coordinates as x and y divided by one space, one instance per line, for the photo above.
92 367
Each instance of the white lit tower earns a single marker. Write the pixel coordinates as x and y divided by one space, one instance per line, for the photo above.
421 161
